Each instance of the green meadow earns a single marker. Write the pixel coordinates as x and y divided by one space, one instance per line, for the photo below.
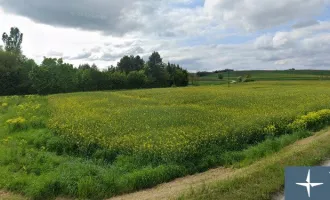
94 145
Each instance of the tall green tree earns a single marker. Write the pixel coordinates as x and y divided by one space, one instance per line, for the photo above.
25 66
136 79
9 76
130 63
138 63
156 72
13 41
40 78
53 76
155 60
125 64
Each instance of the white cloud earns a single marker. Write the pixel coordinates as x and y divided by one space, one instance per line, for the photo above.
80 34
256 14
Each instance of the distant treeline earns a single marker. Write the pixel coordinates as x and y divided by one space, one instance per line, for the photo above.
20 75
206 73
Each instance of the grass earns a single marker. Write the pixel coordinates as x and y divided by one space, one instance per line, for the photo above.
101 144
266 177
248 156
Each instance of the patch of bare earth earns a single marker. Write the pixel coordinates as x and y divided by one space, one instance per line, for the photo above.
10 196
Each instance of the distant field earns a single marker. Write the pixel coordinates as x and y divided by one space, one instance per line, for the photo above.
100 144
212 79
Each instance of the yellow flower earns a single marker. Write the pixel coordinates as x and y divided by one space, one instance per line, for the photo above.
19 120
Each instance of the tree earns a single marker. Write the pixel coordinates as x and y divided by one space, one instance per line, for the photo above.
181 77
9 76
138 63
13 41
155 60
25 84
156 72
53 76
39 77
136 79
125 64
220 76
177 75
84 66
130 63
118 80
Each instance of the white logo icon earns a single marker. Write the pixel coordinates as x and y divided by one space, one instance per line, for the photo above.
308 185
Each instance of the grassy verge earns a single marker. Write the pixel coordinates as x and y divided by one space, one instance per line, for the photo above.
270 146
266 177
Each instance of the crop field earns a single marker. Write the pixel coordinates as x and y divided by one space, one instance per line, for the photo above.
101 144
262 75
175 124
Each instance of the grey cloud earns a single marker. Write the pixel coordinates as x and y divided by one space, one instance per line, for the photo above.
109 57
96 49
189 63
135 50
55 53
110 17
304 24
98 15
84 55
256 14
122 45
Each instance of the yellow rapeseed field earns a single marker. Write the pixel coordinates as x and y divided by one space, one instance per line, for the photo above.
177 123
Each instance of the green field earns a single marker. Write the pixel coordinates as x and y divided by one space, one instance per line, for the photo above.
264 75
101 144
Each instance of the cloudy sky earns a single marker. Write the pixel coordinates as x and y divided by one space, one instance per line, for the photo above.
198 34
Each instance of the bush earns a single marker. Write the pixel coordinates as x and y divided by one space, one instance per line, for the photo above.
16 124
311 121
3 107
37 122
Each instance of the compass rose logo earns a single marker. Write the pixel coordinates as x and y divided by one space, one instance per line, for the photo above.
308 183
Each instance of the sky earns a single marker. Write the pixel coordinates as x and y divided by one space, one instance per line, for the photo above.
197 34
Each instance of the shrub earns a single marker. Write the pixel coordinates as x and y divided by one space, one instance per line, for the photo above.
17 124
311 121
3 107
37 122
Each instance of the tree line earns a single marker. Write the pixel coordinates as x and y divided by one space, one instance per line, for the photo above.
21 75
